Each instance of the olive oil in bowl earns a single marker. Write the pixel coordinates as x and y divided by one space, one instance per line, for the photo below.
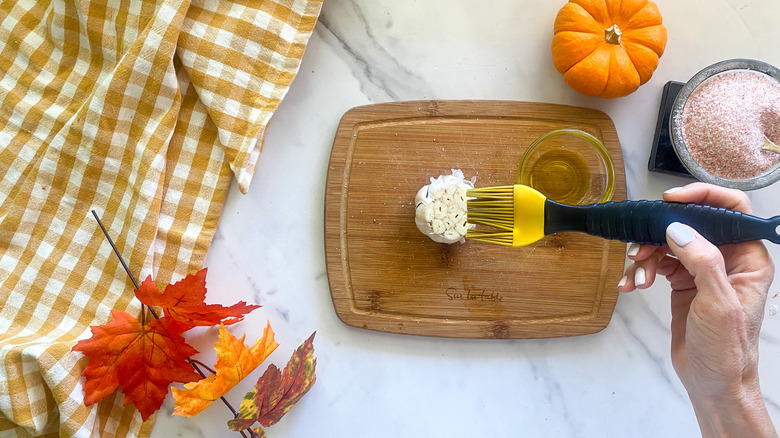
568 166
560 175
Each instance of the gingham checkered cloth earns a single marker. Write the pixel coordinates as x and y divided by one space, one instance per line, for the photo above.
141 110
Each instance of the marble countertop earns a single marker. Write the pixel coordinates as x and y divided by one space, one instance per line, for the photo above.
269 247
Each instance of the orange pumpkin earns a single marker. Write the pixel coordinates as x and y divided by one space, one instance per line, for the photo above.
608 48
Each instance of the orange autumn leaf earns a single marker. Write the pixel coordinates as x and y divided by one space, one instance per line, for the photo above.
235 360
277 392
184 301
142 359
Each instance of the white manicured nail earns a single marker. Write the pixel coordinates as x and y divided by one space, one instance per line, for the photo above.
633 249
639 276
681 234
623 281
673 190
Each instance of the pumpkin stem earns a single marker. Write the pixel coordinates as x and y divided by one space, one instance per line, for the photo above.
612 34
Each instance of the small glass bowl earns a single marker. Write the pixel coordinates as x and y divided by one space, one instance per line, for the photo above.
568 166
675 129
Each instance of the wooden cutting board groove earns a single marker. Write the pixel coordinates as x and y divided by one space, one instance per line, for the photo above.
385 275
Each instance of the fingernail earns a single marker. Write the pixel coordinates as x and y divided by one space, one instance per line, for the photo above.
639 276
673 190
680 233
633 249
623 281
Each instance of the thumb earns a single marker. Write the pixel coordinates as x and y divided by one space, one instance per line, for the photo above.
700 257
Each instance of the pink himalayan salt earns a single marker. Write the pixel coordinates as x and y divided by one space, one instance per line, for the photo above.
725 120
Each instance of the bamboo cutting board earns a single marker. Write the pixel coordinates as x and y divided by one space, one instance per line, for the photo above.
385 275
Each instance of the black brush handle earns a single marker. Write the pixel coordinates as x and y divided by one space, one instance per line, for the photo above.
645 222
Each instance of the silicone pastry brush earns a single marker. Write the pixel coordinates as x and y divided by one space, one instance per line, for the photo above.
519 215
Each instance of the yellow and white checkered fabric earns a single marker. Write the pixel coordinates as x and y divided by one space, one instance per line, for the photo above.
141 110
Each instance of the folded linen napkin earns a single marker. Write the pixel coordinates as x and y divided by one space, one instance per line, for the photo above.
140 110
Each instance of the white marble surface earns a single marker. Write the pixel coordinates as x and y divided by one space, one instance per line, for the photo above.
269 245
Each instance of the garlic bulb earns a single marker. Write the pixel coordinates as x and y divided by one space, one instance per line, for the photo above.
440 211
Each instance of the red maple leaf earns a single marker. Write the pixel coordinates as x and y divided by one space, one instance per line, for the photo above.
275 392
142 359
184 301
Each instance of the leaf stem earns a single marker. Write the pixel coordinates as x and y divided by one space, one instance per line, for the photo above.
116 251
192 362
195 361
124 265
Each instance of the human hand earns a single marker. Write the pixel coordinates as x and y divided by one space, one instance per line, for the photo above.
717 302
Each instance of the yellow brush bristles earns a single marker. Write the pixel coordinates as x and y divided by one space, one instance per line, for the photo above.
491 207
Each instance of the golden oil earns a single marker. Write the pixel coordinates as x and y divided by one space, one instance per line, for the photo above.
561 175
